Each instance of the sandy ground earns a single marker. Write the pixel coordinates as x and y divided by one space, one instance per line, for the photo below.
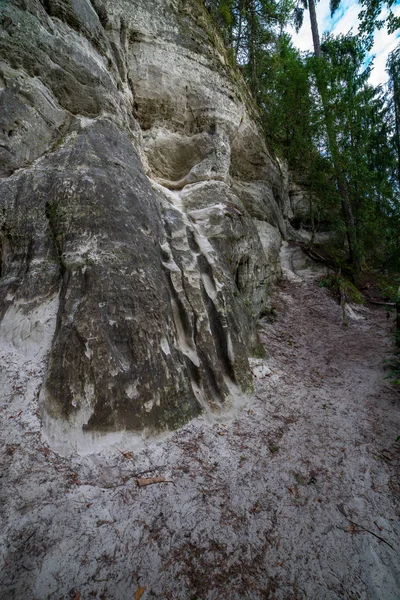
297 497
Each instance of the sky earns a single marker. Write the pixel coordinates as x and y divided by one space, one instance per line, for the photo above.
344 20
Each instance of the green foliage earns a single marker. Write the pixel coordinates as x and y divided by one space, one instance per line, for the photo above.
390 290
336 283
269 313
298 17
394 369
250 29
339 134
370 17
359 127
258 351
334 5
285 101
225 11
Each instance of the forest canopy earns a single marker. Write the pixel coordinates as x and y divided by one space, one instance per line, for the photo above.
339 133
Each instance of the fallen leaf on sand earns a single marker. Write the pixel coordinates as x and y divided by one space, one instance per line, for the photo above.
139 592
127 454
352 528
141 481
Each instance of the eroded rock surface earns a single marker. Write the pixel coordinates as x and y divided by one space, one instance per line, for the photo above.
139 203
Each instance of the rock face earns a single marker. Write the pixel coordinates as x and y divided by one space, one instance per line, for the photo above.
142 213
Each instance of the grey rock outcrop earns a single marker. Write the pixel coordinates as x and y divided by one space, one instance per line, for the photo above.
141 216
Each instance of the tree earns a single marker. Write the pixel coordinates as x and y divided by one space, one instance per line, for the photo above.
393 67
361 122
298 16
354 250
370 17
320 113
251 29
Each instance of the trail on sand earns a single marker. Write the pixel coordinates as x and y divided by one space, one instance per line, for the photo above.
296 497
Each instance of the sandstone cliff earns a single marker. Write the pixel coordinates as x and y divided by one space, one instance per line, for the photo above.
142 214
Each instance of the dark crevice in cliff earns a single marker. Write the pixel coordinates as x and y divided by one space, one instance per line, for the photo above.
211 383
182 315
29 254
3 241
55 9
135 105
119 61
2 252
46 5
194 371
241 273
66 13
219 335
52 216
206 269
193 245
101 12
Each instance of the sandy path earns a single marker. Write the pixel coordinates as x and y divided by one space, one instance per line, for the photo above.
298 497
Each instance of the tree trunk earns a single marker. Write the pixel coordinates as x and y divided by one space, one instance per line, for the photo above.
347 209
314 28
351 231
252 33
239 34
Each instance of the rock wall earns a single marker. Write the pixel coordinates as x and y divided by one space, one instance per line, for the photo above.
142 213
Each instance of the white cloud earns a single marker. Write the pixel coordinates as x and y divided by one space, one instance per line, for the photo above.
348 20
345 20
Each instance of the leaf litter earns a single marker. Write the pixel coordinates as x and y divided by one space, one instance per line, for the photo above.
253 513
